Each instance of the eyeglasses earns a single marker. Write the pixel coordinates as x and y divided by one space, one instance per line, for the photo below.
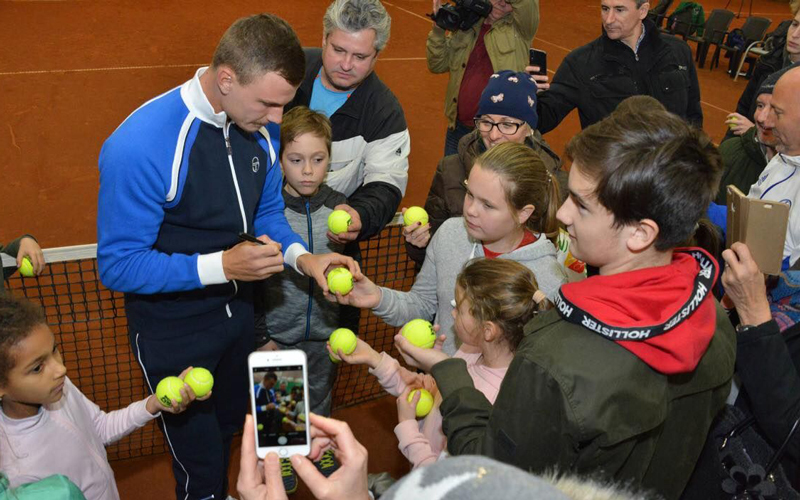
505 128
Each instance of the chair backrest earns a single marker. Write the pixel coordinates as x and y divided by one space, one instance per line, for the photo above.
661 8
718 23
755 28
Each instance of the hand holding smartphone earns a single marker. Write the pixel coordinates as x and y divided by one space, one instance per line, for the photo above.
539 58
279 402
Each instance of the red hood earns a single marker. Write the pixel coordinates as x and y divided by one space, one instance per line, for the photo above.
664 315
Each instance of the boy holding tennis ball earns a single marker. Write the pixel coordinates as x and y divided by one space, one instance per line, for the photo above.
297 315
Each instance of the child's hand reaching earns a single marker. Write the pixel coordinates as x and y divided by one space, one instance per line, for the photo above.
407 410
364 354
424 359
364 295
154 405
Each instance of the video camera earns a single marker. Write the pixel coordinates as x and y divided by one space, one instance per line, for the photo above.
462 15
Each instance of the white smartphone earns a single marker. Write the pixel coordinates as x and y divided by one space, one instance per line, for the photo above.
279 402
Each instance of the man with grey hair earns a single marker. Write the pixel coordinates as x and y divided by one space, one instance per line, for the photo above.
369 157
629 58
778 181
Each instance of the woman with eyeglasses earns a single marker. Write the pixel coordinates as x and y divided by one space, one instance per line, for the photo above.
506 113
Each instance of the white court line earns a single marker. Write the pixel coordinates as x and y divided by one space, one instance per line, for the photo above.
153 66
543 41
90 70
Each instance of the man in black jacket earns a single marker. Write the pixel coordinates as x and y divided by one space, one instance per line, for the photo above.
369 157
630 58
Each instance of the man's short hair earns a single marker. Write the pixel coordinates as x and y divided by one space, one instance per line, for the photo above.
260 44
650 165
271 376
357 15
301 120
639 3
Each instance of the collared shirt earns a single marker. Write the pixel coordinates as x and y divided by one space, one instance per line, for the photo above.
639 42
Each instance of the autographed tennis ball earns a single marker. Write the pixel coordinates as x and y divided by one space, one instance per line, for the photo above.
420 333
415 214
340 280
200 380
425 403
344 339
339 221
26 269
168 389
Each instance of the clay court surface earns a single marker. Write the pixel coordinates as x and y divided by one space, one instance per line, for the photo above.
71 71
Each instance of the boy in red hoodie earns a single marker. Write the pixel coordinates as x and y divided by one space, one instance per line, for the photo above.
623 379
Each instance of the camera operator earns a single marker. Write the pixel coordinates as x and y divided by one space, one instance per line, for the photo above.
497 41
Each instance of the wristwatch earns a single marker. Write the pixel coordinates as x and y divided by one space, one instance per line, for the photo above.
740 328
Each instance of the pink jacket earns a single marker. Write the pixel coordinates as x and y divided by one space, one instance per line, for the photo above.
423 443
68 438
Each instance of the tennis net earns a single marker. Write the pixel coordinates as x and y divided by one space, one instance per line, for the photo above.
89 323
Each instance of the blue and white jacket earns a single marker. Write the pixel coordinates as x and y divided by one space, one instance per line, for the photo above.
178 183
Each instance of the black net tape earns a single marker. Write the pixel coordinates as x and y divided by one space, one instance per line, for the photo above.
89 323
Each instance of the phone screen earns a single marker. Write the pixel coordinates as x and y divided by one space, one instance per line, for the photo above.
280 408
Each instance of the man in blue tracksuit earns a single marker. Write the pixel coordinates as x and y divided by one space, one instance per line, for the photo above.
179 180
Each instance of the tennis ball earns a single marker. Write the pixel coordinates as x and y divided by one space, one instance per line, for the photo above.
168 389
340 280
339 221
26 268
425 403
200 380
415 214
344 339
420 333
260 427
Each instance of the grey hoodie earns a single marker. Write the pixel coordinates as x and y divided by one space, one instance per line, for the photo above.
295 308
434 290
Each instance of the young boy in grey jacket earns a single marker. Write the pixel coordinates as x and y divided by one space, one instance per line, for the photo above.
297 314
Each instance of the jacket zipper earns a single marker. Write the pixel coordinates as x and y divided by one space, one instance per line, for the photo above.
310 279
229 150
226 133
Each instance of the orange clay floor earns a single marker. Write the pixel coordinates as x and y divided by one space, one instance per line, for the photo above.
372 423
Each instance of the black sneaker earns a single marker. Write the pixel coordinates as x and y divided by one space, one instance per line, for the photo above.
327 464
289 476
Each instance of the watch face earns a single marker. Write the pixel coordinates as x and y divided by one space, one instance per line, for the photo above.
743 328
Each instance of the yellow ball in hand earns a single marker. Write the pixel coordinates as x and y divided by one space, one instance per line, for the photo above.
342 339
168 389
26 268
425 403
339 221
415 214
340 280
420 333
200 380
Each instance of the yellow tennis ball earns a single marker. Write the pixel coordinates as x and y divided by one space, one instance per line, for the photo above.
200 380
260 427
340 280
425 403
415 214
168 389
420 333
26 268
344 339
339 221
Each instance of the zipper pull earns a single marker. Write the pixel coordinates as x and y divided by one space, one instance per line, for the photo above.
226 135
